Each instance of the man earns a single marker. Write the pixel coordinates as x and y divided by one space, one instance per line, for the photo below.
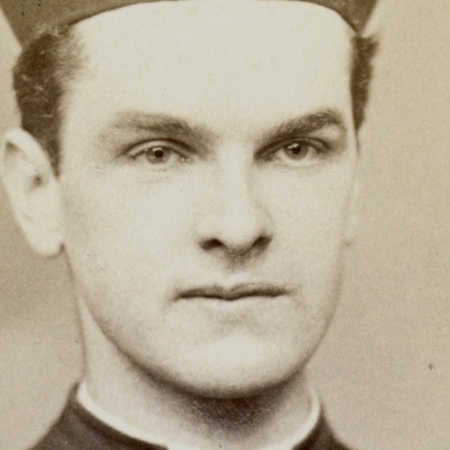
197 163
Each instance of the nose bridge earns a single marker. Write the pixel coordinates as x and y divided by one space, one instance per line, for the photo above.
237 218
236 187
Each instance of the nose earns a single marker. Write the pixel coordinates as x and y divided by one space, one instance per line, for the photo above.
235 223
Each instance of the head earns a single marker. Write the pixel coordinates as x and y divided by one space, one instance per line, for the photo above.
197 162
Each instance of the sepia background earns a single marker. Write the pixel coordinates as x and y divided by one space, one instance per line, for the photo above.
384 368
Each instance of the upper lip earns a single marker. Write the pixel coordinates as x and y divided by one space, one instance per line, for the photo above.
235 292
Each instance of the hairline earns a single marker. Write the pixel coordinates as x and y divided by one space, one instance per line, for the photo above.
69 41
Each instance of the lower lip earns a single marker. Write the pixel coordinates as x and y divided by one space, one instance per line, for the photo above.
245 311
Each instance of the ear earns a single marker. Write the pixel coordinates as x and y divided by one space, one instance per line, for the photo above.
353 212
33 191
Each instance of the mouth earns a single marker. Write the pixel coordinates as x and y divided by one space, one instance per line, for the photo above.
237 292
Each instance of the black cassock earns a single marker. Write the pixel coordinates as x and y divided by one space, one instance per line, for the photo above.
77 429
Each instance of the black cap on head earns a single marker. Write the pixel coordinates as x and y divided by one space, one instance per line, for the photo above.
30 18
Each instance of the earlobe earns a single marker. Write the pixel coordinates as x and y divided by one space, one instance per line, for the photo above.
33 191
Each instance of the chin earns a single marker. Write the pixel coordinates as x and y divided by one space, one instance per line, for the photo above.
234 387
243 371
242 388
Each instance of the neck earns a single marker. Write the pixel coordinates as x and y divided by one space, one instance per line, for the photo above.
135 397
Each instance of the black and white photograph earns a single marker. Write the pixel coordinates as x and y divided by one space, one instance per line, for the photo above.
225 225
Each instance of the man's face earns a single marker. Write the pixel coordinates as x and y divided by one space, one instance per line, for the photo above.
208 170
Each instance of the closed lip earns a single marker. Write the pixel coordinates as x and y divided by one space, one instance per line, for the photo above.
236 292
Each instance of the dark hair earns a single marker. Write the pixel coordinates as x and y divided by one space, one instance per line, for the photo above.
46 65
41 76
364 50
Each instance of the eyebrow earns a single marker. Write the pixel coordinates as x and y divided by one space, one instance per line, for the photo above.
158 124
161 124
307 124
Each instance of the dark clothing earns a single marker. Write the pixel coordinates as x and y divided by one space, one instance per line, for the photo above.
77 429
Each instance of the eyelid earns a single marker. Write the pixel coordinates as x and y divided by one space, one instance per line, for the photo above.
320 145
135 150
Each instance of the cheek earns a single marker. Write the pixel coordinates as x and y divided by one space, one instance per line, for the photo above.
117 234
311 223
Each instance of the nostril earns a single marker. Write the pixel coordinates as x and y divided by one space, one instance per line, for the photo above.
238 227
237 252
211 244
262 242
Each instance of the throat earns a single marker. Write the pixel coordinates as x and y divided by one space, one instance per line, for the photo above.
254 422
236 416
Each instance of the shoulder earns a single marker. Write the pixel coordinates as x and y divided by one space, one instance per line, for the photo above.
322 438
77 429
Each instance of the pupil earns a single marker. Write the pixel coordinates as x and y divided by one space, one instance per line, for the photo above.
158 153
295 148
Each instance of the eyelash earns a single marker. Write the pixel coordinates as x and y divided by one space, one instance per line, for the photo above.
145 148
321 149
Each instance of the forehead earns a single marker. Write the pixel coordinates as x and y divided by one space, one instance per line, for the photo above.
214 58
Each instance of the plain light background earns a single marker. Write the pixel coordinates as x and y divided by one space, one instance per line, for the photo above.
384 369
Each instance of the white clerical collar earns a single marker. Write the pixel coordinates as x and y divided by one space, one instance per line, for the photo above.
86 401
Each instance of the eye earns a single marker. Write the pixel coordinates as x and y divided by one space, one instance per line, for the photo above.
299 153
161 153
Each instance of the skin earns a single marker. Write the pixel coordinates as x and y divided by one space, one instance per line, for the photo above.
179 171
